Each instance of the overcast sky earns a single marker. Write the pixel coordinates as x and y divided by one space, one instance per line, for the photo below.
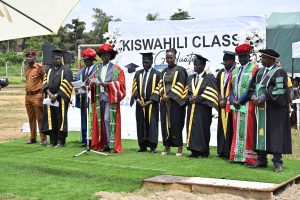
136 10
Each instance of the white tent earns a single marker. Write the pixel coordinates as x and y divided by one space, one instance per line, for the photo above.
296 50
27 18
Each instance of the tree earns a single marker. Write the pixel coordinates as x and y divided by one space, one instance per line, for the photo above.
152 17
71 35
101 20
180 15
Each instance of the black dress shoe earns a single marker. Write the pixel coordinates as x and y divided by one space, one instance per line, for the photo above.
141 150
278 168
152 151
194 155
31 141
256 165
106 149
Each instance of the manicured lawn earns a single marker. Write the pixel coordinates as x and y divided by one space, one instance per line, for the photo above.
37 172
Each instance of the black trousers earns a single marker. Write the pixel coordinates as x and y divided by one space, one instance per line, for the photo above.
146 144
57 138
262 158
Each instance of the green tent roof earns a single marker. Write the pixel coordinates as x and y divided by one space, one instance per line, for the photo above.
282 30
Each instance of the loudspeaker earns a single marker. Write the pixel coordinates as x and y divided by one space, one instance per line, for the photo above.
47 53
69 57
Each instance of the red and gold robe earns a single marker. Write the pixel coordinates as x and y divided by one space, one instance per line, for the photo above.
116 93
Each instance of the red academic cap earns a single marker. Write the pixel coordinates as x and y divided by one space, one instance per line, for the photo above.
243 49
89 53
31 54
107 48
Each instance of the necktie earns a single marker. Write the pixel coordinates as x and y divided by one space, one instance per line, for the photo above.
238 81
196 79
86 73
265 73
144 82
240 73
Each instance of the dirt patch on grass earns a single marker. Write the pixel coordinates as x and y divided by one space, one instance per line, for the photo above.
13 113
291 193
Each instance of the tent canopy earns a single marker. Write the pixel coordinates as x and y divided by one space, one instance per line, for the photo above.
27 18
296 50
282 30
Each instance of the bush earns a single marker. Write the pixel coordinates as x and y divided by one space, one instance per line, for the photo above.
13 58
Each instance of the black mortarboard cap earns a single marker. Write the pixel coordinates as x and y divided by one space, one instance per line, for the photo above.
200 58
57 52
131 67
228 55
269 52
147 55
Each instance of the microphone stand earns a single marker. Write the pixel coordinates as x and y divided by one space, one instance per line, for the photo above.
88 149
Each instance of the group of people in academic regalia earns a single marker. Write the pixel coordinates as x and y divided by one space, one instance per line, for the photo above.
252 104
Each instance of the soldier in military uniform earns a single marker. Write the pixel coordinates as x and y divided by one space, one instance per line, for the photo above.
34 73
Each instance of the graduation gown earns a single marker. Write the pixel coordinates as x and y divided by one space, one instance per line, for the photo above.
115 93
172 114
199 114
146 118
243 118
55 119
225 125
272 132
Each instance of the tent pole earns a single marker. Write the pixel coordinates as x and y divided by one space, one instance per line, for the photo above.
293 60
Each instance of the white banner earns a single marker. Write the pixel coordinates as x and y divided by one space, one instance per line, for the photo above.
208 38
296 50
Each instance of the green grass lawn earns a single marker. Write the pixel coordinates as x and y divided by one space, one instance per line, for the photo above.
37 172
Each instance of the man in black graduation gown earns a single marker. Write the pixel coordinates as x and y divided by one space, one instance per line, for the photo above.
202 96
225 126
271 99
147 110
57 86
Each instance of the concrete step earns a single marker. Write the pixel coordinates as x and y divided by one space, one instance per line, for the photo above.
247 189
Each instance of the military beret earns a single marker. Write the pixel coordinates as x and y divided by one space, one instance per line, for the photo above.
31 54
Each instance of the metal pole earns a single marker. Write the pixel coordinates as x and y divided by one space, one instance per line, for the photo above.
6 67
293 62
87 127
22 69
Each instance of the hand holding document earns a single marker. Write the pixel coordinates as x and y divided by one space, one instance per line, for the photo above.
47 101
95 81
77 84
